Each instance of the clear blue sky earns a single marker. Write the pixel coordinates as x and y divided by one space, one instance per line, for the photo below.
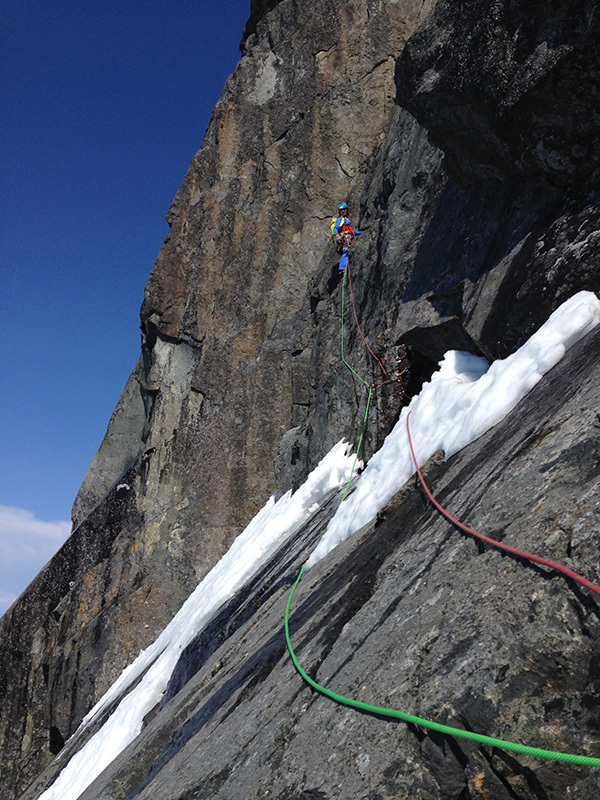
104 104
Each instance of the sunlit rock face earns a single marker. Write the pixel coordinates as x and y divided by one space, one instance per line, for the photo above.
225 369
464 137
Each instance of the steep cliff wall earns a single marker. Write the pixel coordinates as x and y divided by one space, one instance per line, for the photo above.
221 378
471 157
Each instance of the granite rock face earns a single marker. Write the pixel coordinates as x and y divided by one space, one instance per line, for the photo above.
465 138
508 89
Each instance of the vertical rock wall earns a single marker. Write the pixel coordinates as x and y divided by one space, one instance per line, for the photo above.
225 371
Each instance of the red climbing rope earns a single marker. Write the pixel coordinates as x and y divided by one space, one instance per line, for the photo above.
388 379
378 360
500 545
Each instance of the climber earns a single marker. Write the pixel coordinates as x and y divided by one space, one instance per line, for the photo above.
343 234
341 225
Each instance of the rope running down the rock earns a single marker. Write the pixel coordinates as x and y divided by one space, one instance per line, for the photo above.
370 388
569 573
514 747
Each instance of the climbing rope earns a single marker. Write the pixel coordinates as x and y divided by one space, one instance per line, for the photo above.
514 747
388 379
362 336
499 545
370 388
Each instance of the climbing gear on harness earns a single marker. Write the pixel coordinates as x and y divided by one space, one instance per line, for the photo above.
345 245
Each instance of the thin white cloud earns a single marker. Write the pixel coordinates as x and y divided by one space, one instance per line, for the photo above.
24 535
27 543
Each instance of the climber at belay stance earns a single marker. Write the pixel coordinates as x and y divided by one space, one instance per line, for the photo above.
343 234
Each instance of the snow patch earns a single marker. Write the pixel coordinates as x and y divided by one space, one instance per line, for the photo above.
463 400
270 528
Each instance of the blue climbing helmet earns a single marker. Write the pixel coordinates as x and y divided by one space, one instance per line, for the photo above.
343 207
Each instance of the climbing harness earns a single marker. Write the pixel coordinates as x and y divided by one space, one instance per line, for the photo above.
514 747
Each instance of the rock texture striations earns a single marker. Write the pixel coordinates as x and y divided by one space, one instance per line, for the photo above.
465 138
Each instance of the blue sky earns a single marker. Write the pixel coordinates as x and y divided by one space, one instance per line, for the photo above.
104 104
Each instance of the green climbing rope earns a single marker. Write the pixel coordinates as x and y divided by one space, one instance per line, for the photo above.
353 371
536 752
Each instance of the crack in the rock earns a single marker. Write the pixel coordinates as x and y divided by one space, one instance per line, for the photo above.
528 774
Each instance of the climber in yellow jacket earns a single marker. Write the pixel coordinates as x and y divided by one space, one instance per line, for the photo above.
343 233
